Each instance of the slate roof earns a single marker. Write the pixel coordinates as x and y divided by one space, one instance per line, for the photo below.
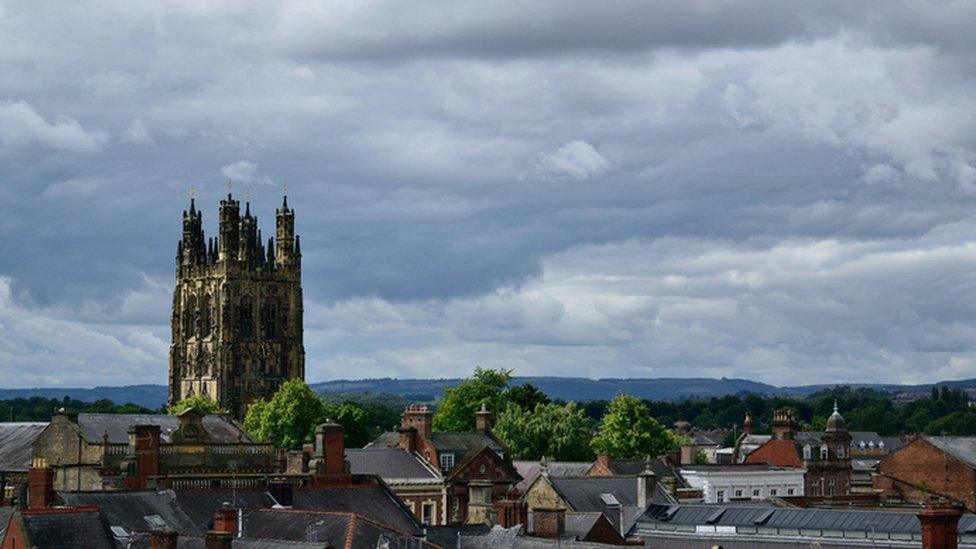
138 511
390 464
702 440
117 426
530 470
961 448
16 439
893 443
635 466
347 530
447 536
199 505
141 541
580 524
512 538
775 517
583 493
371 501
464 443
748 443
5 514
66 529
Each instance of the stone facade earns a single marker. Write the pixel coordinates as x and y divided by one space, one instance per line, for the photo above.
237 309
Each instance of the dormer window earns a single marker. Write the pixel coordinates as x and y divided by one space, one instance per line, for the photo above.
447 461
823 452
807 452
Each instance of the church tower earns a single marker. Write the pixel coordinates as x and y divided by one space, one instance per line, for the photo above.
237 309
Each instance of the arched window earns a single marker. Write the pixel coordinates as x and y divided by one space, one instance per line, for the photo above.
807 452
189 317
206 316
246 318
823 452
840 451
270 317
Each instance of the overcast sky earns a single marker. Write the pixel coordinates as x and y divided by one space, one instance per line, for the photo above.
783 191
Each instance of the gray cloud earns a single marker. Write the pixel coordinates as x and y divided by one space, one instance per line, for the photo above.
671 188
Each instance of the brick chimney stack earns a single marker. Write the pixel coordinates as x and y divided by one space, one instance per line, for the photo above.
144 451
163 539
747 424
549 522
329 464
784 424
940 523
484 420
420 418
40 485
407 438
225 520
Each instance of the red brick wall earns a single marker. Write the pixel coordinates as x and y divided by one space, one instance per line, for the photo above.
13 538
549 523
919 463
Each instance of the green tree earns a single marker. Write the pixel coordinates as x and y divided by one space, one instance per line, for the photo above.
456 412
201 403
560 432
354 422
526 396
289 419
628 431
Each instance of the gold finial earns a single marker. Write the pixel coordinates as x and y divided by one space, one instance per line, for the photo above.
193 192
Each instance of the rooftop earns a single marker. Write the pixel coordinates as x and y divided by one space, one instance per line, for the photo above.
16 440
93 426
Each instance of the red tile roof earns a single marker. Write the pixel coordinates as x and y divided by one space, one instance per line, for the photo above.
781 453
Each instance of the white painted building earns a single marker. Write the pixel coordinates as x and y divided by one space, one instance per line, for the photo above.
722 483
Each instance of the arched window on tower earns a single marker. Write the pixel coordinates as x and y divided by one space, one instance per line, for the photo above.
270 314
246 317
189 317
206 316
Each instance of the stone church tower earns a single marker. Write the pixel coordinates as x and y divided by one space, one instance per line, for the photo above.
237 309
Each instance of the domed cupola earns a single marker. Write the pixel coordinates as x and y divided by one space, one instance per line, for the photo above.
836 423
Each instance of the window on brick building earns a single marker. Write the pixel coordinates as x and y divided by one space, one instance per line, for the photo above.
823 452
447 461
427 513
807 452
840 452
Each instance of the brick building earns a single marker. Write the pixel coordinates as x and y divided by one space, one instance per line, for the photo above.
928 465
457 478
826 456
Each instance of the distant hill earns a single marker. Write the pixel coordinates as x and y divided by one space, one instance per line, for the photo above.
566 388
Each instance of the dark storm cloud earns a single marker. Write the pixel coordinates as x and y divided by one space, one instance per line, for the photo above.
781 191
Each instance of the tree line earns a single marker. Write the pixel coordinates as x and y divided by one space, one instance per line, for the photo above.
532 425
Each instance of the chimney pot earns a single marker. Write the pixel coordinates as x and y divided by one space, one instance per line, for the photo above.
216 540
40 486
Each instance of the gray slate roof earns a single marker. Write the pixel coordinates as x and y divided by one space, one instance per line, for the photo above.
135 510
464 443
140 540
333 528
5 513
390 464
961 448
67 530
530 470
370 501
774 517
583 493
512 538
580 524
117 426
16 440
